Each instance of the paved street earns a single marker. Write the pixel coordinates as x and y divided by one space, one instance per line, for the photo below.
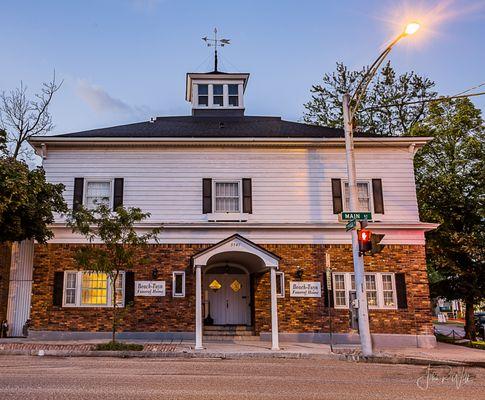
24 377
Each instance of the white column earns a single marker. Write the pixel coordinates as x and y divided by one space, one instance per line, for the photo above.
198 308
274 312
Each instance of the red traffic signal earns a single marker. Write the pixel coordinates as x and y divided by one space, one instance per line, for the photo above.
365 240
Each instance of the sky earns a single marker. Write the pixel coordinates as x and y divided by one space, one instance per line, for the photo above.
124 61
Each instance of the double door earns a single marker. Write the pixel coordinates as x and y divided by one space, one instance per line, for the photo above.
229 303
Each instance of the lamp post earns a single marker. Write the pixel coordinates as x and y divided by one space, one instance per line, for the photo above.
350 106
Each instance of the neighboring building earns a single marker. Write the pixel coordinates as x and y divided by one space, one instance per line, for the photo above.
245 203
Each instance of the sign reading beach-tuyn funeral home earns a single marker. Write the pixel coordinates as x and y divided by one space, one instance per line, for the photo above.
149 288
305 289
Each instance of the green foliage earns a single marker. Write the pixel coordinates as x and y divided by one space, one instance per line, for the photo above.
27 202
119 346
386 89
121 242
450 179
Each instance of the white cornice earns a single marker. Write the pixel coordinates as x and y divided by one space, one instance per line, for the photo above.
400 141
401 225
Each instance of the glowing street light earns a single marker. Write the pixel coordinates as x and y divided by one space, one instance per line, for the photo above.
412 28
348 116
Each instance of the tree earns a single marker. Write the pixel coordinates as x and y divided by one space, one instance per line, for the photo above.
27 202
450 179
119 243
21 118
382 110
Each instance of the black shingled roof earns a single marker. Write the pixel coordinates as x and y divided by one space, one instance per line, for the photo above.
213 127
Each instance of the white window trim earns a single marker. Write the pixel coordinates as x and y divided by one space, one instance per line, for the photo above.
111 189
240 195
174 275
281 277
371 194
78 302
225 94
379 287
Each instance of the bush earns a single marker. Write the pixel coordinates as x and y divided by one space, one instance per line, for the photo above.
119 346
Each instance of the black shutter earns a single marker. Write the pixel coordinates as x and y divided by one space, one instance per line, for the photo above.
77 200
58 288
402 301
206 195
377 194
247 195
118 193
337 196
327 293
129 287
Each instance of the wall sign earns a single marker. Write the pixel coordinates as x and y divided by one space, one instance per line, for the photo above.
149 288
305 289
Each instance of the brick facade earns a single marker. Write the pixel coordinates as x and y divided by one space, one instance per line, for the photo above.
5 260
169 314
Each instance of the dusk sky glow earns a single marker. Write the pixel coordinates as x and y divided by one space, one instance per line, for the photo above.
125 61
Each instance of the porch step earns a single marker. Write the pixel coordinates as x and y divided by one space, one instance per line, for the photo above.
229 338
229 332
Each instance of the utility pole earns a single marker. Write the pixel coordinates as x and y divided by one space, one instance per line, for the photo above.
364 329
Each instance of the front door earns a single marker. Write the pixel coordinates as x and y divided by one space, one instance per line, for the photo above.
229 304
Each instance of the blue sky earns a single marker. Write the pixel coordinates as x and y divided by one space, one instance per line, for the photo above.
125 60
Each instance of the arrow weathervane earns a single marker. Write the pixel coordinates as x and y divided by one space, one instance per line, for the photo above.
214 43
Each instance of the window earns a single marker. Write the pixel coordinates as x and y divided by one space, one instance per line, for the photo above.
178 284
380 290
91 289
388 291
371 290
227 197
339 289
203 95
70 288
363 194
97 192
233 92
280 284
218 95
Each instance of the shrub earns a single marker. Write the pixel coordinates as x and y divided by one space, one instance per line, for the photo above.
119 346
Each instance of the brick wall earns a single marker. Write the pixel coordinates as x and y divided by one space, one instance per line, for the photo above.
5 259
177 314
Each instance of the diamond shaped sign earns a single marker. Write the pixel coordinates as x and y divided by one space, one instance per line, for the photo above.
214 285
236 286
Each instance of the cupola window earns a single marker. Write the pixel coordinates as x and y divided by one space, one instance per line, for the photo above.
233 95
203 99
218 95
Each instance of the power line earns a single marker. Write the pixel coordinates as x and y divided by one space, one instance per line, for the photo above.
444 98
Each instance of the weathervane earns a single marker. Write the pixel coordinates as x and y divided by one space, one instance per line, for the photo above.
214 43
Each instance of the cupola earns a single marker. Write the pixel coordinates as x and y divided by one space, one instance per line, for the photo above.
216 93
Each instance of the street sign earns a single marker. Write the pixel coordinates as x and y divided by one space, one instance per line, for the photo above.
351 225
359 216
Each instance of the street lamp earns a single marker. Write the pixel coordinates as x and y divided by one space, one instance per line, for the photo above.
348 116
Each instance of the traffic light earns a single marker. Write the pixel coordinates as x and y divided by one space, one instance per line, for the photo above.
375 242
365 240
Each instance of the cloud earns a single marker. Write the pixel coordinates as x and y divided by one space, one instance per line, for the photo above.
99 100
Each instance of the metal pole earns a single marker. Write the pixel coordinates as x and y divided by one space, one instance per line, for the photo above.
364 330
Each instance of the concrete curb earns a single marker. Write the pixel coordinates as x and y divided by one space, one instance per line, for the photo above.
246 355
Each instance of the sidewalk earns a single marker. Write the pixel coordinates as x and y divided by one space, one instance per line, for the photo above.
443 354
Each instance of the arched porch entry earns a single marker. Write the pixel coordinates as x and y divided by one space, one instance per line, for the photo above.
239 257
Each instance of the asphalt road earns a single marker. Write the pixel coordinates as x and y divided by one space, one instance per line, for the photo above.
23 377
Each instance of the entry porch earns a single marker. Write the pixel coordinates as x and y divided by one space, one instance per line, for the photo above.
224 294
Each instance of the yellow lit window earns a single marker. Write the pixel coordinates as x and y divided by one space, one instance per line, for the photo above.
94 289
